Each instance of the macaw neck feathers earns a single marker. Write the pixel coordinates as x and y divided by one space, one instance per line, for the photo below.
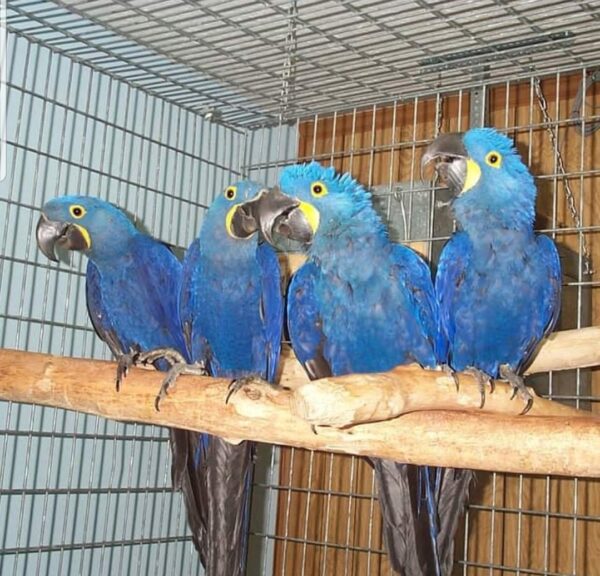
120 248
364 232
508 202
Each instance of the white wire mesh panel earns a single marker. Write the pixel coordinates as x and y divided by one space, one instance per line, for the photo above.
335 81
82 495
335 54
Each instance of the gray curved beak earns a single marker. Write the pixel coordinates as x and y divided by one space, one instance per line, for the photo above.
50 233
244 221
274 212
450 155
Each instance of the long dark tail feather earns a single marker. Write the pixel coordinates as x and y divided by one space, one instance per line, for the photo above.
421 508
215 478
454 494
184 477
406 528
429 494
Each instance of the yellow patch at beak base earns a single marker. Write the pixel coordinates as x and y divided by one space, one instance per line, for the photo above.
311 214
228 220
86 235
473 175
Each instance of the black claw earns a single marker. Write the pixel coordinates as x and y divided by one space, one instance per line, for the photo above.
449 372
160 396
235 386
124 363
121 373
231 390
167 384
483 380
527 407
314 429
162 393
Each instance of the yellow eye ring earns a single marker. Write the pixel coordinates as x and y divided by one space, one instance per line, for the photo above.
318 189
77 211
231 192
493 159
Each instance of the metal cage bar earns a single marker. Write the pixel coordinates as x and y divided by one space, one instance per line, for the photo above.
114 99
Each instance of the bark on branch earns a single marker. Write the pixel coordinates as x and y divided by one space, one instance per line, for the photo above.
566 444
350 400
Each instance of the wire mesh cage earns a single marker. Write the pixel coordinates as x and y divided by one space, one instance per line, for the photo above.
158 106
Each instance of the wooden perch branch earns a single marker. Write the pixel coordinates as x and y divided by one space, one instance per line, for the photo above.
360 398
567 350
564 350
350 400
567 444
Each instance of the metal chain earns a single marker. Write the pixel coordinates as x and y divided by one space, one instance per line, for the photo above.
543 104
439 120
288 71
589 127
439 114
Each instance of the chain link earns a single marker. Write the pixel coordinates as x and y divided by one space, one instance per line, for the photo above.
439 114
543 104
288 72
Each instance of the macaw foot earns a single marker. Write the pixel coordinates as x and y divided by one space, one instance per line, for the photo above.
483 381
125 363
170 355
447 370
518 386
177 369
236 385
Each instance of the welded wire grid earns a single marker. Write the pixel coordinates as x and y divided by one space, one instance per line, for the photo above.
80 494
335 81
328 520
227 57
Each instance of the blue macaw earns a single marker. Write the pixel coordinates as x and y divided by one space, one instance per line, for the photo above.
498 283
361 304
132 292
232 314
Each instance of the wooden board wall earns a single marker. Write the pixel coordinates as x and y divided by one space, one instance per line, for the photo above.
315 505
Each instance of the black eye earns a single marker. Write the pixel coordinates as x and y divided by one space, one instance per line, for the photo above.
493 159
77 211
230 193
318 189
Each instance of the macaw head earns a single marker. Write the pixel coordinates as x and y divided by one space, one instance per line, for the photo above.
486 175
230 216
90 225
312 201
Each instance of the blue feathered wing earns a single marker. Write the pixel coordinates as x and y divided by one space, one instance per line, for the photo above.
419 506
137 307
224 470
539 293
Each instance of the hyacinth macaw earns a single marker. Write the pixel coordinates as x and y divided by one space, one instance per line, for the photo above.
132 292
361 304
498 283
232 314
